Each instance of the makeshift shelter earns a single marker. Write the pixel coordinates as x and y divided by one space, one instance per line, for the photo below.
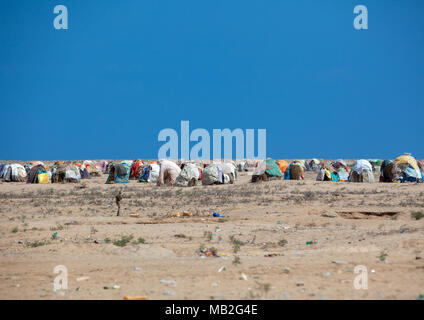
294 171
410 171
362 172
314 164
266 170
213 174
324 174
2 166
410 168
168 173
13 173
136 169
242 166
127 162
103 166
341 170
92 169
376 164
230 169
66 172
118 173
83 171
283 165
39 174
389 171
188 176
150 173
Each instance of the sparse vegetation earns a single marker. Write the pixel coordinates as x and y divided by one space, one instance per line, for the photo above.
417 215
123 241
34 244
56 228
140 240
236 244
382 257
282 242
236 260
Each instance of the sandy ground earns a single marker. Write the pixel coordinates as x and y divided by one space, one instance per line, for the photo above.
261 241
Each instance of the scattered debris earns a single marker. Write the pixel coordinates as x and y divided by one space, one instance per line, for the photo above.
113 287
222 269
168 293
273 255
54 235
187 214
135 215
211 252
243 277
82 279
286 270
173 282
300 284
136 298
339 262
175 214
326 274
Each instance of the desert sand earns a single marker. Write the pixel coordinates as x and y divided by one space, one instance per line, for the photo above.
277 240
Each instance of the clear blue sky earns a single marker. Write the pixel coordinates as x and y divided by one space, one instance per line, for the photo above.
124 70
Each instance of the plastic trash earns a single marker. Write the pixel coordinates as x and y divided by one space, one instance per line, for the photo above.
54 235
111 287
135 298
168 293
82 279
243 277
135 215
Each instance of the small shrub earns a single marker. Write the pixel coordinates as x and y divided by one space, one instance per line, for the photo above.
236 260
282 242
123 241
417 215
140 240
236 244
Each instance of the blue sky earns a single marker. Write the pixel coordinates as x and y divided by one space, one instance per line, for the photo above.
123 71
